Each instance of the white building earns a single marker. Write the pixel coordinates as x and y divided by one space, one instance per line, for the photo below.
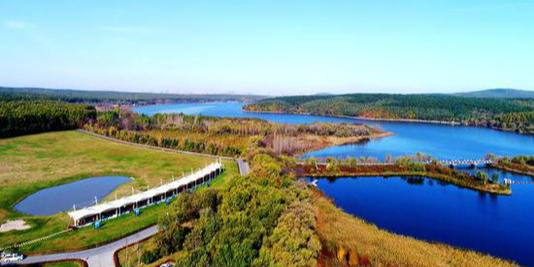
115 208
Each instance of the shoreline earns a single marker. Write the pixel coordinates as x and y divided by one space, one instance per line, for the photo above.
355 140
436 176
512 170
451 123
343 231
437 122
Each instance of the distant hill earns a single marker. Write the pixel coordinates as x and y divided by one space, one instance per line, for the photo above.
499 93
85 96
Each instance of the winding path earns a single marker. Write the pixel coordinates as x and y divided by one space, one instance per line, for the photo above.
96 257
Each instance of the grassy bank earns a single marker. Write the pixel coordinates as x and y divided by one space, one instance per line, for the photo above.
515 168
350 241
62 264
31 163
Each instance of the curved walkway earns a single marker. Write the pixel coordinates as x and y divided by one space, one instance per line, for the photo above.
96 257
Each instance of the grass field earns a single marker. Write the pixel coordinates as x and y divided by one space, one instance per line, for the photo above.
31 163
355 241
63 264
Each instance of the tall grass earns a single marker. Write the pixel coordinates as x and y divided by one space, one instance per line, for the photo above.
350 241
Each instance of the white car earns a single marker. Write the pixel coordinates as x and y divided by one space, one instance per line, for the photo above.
11 257
168 264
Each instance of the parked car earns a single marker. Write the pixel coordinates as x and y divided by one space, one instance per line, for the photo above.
167 264
11 257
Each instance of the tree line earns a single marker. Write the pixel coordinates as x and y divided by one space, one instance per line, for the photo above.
27 117
506 114
521 164
128 120
82 96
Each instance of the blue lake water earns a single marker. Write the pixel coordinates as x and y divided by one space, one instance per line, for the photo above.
62 197
499 225
441 141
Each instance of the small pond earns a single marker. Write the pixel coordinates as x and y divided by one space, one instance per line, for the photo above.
62 197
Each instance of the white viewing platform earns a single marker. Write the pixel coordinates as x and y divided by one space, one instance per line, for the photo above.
115 208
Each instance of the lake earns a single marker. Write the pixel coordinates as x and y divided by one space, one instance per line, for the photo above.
499 225
441 141
430 210
62 197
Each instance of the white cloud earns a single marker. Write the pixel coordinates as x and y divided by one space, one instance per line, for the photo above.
18 25
127 29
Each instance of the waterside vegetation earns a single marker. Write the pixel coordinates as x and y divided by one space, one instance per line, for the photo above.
517 164
350 241
230 227
402 166
504 114
225 136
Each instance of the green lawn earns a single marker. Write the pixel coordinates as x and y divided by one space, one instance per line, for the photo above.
31 163
63 264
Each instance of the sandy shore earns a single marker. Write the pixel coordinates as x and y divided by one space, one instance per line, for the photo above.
13 225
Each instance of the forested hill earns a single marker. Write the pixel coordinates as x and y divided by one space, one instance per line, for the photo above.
500 93
506 114
81 96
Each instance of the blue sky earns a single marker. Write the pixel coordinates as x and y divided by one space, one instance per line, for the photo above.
268 47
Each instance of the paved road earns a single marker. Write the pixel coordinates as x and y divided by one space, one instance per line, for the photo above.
244 169
96 257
